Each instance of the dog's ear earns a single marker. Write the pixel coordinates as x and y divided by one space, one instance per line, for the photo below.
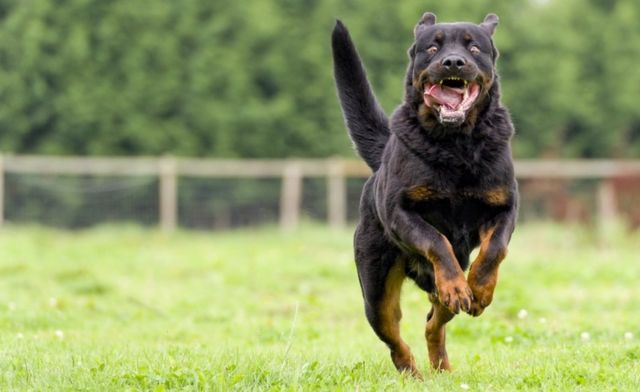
428 19
490 23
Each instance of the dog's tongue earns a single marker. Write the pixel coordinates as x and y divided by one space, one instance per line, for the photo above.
443 95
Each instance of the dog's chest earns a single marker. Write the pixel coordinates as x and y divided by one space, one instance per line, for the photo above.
457 207
458 196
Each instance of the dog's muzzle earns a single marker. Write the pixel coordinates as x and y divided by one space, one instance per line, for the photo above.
451 98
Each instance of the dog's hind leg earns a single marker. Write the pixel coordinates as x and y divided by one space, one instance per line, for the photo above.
385 317
436 334
381 273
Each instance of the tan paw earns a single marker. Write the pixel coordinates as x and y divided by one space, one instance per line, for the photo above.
455 294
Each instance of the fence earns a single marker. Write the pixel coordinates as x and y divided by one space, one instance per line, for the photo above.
291 173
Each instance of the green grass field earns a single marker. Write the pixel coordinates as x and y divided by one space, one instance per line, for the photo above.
124 308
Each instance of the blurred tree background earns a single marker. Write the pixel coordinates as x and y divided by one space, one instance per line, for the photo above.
253 78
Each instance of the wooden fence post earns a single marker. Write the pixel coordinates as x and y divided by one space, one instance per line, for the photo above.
607 210
336 194
1 190
168 193
290 196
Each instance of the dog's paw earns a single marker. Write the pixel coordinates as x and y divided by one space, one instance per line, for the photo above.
406 364
482 297
455 294
482 285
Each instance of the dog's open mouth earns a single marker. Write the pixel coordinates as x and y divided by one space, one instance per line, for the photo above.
451 98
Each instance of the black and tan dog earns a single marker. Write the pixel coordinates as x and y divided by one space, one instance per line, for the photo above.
442 184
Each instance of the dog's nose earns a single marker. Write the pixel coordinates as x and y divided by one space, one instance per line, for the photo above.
453 62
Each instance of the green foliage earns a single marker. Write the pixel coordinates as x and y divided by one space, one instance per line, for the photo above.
253 78
121 308
569 79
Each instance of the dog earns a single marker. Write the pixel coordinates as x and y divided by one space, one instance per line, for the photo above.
443 180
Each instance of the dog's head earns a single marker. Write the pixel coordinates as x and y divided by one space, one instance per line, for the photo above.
451 69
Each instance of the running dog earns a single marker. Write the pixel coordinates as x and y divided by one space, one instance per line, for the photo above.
443 182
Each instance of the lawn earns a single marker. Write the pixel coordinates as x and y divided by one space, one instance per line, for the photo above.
126 308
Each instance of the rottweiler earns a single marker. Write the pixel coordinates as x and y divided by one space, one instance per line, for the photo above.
443 181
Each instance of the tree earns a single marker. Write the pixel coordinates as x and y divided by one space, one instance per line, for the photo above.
253 78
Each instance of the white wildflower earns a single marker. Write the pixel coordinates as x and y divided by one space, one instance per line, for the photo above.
585 336
59 334
508 339
628 335
522 314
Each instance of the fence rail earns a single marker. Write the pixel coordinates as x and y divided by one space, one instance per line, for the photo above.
292 172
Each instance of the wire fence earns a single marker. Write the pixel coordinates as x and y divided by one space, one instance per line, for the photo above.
76 192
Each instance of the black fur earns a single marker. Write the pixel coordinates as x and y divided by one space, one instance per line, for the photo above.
367 123
438 190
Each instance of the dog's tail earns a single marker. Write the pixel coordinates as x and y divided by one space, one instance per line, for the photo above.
366 121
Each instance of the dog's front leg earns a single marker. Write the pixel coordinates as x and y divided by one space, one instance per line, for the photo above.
416 234
483 274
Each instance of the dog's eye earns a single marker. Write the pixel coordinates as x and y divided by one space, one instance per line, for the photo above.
474 49
432 49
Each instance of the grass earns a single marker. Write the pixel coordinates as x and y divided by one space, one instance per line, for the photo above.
124 308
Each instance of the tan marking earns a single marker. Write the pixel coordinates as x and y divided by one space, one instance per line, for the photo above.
443 272
439 35
420 80
467 37
390 315
453 290
485 236
496 196
481 281
485 241
390 305
486 81
419 193
435 258
436 335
